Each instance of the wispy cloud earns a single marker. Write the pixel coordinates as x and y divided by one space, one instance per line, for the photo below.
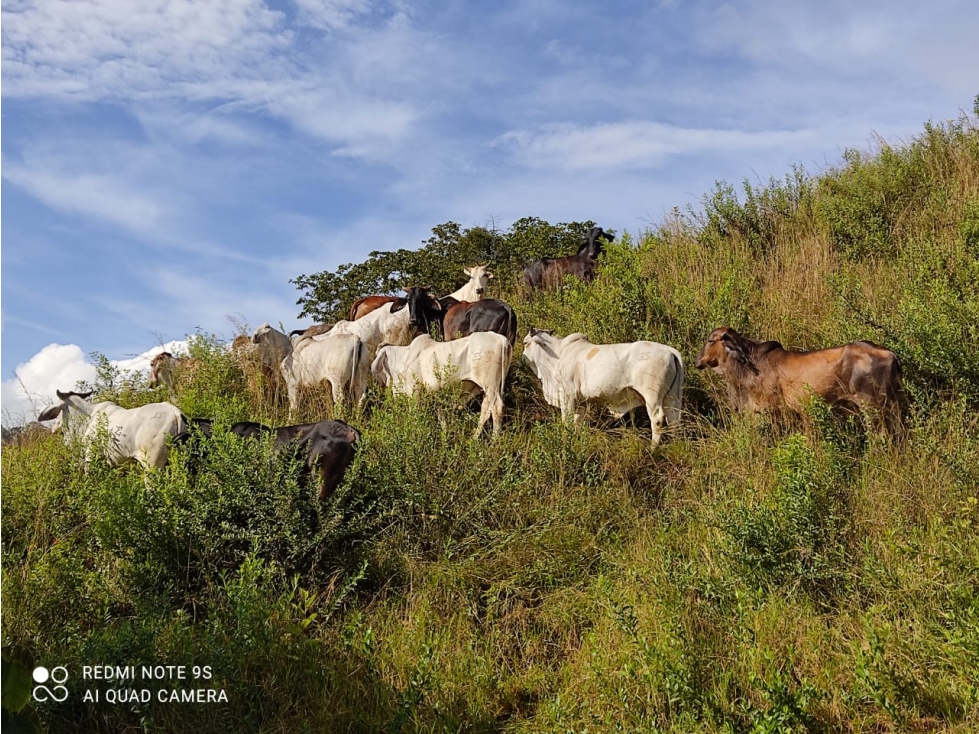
633 145
99 196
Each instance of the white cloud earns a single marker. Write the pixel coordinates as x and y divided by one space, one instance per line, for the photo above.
60 367
632 145
238 53
100 196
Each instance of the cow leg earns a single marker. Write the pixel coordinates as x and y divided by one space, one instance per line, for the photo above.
492 407
657 417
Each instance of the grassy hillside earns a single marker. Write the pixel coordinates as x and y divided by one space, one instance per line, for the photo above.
745 576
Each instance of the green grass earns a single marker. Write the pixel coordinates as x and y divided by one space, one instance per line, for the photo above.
745 576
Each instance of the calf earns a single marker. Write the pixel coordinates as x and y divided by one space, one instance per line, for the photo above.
549 272
480 362
763 376
573 372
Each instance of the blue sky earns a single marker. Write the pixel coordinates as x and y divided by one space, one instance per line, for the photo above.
167 165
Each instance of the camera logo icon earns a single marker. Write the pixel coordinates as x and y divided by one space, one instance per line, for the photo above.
42 692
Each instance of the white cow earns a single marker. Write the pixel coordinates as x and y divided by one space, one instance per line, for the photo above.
135 434
573 371
273 346
475 289
339 359
479 361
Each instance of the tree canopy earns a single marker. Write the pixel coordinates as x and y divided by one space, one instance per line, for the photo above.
328 295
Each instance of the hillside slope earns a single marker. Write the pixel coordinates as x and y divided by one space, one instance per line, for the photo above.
744 576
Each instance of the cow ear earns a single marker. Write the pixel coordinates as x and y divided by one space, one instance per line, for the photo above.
398 305
436 304
490 275
50 413
468 272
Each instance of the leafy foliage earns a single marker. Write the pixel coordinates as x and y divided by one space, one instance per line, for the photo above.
327 296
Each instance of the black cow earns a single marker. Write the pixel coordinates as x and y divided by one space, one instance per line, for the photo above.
328 445
463 318
549 272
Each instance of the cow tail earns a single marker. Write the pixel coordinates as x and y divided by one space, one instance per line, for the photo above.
356 370
505 358
512 327
675 392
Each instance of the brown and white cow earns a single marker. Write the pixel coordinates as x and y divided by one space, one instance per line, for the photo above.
762 376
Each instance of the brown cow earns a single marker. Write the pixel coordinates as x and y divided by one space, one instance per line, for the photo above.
165 367
549 272
363 306
314 330
764 376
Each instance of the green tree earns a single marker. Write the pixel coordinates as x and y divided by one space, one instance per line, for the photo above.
438 264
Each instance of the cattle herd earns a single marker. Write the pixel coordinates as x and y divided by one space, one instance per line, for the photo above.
389 338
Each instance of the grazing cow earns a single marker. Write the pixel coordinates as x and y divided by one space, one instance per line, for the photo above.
273 346
164 369
479 278
573 371
135 434
764 376
328 445
549 272
489 314
480 362
363 306
339 359
396 322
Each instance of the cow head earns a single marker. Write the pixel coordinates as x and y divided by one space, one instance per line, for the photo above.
535 346
480 276
272 345
593 245
725 346
160 369
423 309
61 409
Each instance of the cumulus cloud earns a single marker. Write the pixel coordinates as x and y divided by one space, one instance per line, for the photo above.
60 367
